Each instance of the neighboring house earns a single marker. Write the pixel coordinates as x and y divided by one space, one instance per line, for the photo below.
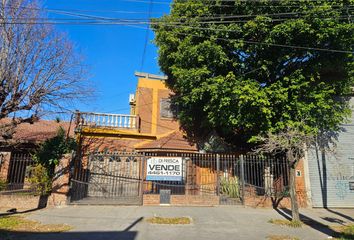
14 159
331 175
151 125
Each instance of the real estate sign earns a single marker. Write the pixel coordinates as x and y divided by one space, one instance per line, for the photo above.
164 169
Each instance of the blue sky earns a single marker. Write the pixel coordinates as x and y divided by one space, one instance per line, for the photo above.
113 53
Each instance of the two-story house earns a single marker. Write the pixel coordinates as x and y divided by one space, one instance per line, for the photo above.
150 127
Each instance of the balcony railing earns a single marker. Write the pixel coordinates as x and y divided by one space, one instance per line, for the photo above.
108 120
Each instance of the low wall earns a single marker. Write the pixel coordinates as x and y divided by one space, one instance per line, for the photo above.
269 202
22 202
182 200
60 186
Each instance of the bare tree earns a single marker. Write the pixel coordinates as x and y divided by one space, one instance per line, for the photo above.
292 142
39 70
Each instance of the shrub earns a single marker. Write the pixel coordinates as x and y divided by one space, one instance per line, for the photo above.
230 187
40 180
3 184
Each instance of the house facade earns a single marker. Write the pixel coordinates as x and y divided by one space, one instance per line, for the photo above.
144 158
151 125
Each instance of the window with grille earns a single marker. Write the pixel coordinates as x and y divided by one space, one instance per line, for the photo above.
166 109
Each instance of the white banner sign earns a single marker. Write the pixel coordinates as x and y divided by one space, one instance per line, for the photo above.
164 169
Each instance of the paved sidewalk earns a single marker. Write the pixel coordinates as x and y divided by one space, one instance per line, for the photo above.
223 222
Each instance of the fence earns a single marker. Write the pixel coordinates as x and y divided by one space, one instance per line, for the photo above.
18 169
121 177
232 177
14 179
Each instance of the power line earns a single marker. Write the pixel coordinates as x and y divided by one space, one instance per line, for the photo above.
199 28
278 45
213 16
230 1
202 17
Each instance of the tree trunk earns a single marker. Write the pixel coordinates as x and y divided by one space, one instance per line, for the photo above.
292 188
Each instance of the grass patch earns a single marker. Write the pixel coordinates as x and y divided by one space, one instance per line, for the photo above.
283 222
281 237
174 220
10 225
344 232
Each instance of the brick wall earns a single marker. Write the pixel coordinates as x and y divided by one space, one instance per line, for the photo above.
144 108
267 202
300 185
251 198
20 202
90 144
194 200
151 199
182 200
60 186
4 166
164 125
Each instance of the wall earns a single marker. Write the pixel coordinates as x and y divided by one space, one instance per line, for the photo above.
332 172
5 163
148 96
60 185
164 124
144 103
20 202
182 200
91 144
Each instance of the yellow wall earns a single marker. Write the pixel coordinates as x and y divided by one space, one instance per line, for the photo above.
148 95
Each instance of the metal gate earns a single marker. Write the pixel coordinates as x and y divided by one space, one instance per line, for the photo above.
108 178
19 164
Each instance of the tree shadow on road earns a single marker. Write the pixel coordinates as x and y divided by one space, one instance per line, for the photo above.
286 213
340 214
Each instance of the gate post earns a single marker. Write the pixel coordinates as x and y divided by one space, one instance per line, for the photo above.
142 178
242 175
217 174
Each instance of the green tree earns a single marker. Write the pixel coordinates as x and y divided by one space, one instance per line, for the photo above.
240 69
52 150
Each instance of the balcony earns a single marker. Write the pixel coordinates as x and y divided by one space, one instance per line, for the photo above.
103 120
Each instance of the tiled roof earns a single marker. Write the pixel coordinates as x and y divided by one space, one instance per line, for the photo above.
173 141
38 131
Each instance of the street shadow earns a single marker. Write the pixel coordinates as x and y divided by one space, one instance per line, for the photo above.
14 212
113 235
42 203
126 234
340 214
325 229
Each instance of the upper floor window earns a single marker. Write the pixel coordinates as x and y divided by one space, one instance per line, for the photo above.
166 109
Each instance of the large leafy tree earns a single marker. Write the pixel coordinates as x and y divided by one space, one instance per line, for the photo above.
240 69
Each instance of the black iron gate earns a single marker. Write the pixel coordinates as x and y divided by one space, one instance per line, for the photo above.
108 178
19 166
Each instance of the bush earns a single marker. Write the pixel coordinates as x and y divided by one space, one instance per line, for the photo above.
3 185
230 187
52 150
40 180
